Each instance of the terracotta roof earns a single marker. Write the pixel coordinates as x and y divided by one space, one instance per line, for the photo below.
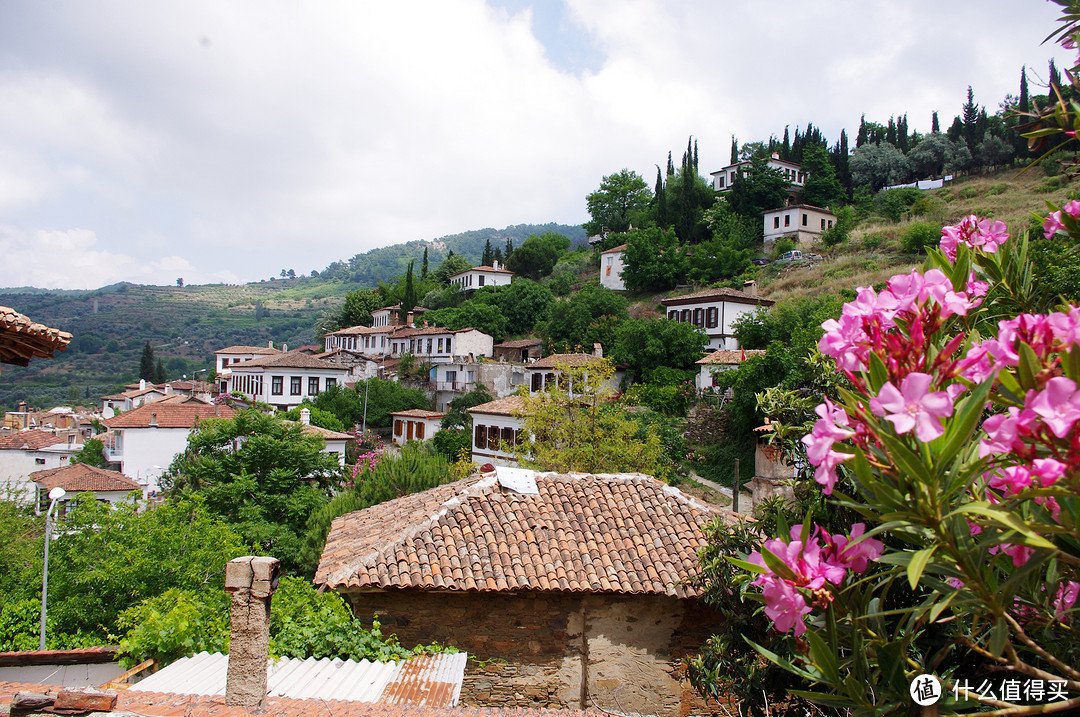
169 412
823 210
324 433
567 360
506 406
621 247
289 360
418 413
485 268
360 331
725 356
81 477
258 350
518 344
166 704
21 339
723 293
30 440
626 533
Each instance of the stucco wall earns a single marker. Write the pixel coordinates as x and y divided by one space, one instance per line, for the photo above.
562 650
17 465
149 451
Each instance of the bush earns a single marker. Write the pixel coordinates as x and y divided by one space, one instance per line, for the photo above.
893 203
451 443
968 191
175 624
782 246
919 235
874 241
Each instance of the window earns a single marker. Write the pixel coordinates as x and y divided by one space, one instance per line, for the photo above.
419 431
673 315
224 362
787 220
507 437
720 182
822 223
493 437
711 315
294 385
39 461
330 383
699 317
313 385
398 426
685 315
480 437
537 381
482 277
804 219
776 222
448 340
830 224
429 342
440 345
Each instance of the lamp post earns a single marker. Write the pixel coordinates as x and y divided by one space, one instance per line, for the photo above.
54 495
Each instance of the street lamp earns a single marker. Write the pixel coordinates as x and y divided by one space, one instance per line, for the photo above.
54 495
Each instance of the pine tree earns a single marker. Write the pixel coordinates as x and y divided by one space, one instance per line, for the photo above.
734 150
488 256
146 364
970 120
935 125
860 139
785 148
159 372
424 266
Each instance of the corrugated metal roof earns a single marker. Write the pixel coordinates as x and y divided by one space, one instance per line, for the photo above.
428 680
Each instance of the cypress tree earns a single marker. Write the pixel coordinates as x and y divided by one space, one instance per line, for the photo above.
935 126
1055 83
488 256
159 372
902 133
890 132
860 139
970 121
660 200
424 266
785 148
1025 102
509 249
734 150
695 156
670 166
409 295
146 363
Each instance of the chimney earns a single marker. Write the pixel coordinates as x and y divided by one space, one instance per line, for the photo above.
142 384
22 407
495 264
776 155
285 348
269 344
305 416
409 320
168 388
251 580
750 287
598 350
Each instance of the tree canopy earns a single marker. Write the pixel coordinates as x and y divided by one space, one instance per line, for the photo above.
621 199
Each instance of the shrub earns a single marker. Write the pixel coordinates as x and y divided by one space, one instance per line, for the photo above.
451 443
968 191
919 235
782 246
874 241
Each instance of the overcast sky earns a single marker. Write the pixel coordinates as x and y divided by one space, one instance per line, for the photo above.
224 141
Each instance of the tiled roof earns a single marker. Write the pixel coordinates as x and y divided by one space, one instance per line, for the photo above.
485 268
565 360
418 413
21 339
257 350
586 533
360 331
324 433
506 406
289 360
518 344
81 477
30 440
167 704
621 247
727 356
169 412
721 294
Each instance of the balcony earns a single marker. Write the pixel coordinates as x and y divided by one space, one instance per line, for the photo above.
462 386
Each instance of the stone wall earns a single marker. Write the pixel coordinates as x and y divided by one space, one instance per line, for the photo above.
561 650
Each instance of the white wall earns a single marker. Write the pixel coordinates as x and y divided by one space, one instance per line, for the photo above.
611 267
486 454
16 467
147 452
473 342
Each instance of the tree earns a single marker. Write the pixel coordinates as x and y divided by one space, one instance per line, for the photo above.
647 345
574 428
758 189
590 316
160 376
822 188
146 364
878 165
688 195
452 264
524 304
488 256
424 265
383 398
410 295
92 454
621 199
654 260
936 154
180 282
537 255
260 474
356 311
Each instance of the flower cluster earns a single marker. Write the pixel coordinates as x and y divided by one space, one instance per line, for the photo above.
1053 223
365 462
973 233
823 559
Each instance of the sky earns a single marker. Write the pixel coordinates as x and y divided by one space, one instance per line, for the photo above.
223 141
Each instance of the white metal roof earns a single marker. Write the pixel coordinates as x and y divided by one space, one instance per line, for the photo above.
431 680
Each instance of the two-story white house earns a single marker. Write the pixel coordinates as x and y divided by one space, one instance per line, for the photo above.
801 222
24 452
793 173
496 430
437 344
715 311
144 441
611 267
369 340
284 380
544 373
131 398
480 276
229 356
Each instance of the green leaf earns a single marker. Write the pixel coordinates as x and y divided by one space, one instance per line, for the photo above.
778 566
1029 366
747 566
940 606
965 420
917 564
823 656
1031 538
878 374
999 636
781 662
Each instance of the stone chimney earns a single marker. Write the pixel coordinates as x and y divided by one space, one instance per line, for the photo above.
168 388
305 416
598 350
269 344
750 287
251 580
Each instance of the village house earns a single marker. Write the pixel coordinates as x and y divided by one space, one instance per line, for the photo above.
576 591
36 449
144 441
496 426
612 263
335 440
284 380
719 361
518 351
390 316
231 355
79 480
368 340
793 173
415 424
436 344
800 222
480 276
543 374
715 311
131 398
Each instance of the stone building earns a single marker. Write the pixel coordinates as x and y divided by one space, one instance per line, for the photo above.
572 591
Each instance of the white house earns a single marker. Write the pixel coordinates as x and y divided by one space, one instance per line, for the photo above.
107 486
144 441
436 344
793 173
232 355
543 373
415 424
718 361
611 268
132 398
715 311
285 379
389 316
24 452
335 441
481 276
496 428
801 222
371 340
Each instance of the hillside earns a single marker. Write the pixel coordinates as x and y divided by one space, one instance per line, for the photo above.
186 324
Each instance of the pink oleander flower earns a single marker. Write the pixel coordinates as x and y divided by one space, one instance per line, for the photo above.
785 606
1048 470
1013 479
1020 554
1066 597
857 556
831 427
1002 433
913 406
1072 208
991 236
846 341
1066 326
960 233
1053 225
1058 405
